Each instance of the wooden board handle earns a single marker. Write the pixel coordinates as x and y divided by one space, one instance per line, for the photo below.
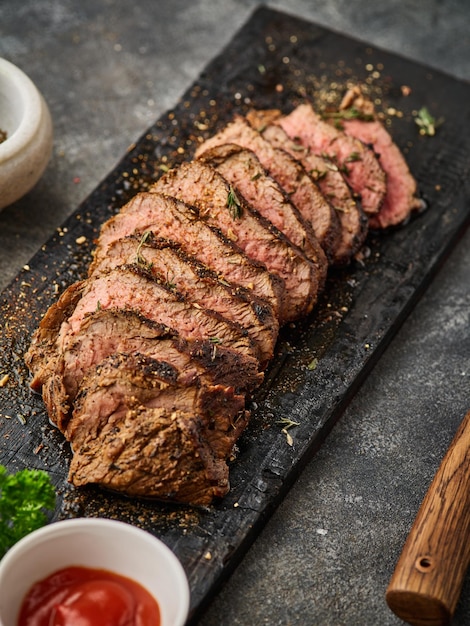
427 580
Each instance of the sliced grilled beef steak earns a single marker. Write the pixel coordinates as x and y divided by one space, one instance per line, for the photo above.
353 221
170 218
289 174
242 169
145 366
197 284
220 205
357 161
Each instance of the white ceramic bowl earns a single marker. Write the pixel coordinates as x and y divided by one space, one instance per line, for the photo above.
25 118
96 543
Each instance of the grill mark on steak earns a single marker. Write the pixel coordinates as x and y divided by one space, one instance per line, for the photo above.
201 185
197 284
172 219
289 174
353 221
242 169
358 162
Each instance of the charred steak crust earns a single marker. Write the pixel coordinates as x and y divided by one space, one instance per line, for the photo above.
122 383
175 461
223 206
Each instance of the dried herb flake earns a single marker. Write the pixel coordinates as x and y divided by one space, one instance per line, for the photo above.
426 122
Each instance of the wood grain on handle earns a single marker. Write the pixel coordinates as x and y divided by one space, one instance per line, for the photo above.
427 581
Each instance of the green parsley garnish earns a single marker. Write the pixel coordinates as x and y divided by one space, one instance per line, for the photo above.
24 498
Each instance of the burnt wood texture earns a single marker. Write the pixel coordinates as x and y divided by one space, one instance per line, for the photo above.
274 61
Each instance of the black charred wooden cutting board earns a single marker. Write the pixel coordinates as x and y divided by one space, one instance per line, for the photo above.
274 60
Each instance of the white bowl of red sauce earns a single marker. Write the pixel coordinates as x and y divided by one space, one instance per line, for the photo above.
92 572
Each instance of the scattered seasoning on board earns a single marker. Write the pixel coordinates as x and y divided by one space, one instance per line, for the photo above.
4 379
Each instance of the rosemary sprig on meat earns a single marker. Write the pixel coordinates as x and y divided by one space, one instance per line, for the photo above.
233 204
139 258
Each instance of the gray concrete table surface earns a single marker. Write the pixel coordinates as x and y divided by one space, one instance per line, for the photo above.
108 69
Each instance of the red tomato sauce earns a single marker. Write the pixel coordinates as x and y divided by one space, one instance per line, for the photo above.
81 596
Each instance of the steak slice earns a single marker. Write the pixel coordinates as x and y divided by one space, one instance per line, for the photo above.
242 169
152 453
401 197
357 161
125 382
289 174
331 182
137 429
39 357
172 219
197 284
220 205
